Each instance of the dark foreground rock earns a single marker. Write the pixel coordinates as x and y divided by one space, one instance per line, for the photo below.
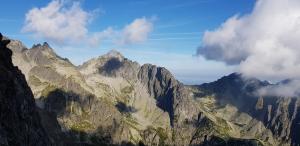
19 120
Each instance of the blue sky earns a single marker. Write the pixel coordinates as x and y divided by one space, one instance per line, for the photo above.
178 28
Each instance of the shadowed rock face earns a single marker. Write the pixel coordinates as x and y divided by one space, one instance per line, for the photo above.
110 66
216 141
160 84
19 120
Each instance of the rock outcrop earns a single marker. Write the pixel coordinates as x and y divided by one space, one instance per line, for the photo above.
20 123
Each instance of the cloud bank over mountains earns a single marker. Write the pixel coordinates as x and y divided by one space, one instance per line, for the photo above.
263 44
288 89
65 22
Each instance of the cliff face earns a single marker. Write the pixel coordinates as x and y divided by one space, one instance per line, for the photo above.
19 120
172 97
281 116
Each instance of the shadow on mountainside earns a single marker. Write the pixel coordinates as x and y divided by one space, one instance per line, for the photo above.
57 104
110 67
123 108
217 141
233 90
295 132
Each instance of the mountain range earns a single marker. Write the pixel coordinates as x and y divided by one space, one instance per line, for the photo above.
111 100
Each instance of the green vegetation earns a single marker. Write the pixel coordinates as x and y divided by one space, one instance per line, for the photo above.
48 90
260 142
222 127
130 121
132 138
105 87
34 81
84 114
158 132
173 135
176 118
163 135
82 126
127 89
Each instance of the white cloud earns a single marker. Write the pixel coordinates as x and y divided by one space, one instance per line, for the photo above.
289 89
65 22
96 38
264 44
137 31
57 22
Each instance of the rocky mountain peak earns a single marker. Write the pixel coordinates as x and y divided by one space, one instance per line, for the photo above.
15 45
44 54
235 83
114 54
158 79
112 64
44 46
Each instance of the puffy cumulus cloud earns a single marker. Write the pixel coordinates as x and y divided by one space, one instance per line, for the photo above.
263 44
58 22
137 31
65 22
96 38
